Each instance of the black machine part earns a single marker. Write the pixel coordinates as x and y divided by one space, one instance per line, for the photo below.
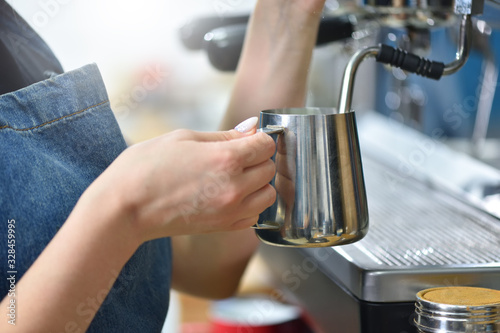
223 39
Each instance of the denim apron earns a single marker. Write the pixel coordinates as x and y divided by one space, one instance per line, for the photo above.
56 137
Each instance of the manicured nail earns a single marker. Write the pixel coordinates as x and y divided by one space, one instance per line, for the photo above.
247 125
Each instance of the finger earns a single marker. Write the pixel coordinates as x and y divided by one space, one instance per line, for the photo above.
245 223
254 149
256 177
247 127
254 204
259 200
247 149
212 136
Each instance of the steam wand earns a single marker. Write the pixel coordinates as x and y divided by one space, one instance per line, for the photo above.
407 61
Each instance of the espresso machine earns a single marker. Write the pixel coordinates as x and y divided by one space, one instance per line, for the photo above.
433 188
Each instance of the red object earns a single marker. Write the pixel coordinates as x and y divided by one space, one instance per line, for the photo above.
294 326
258 314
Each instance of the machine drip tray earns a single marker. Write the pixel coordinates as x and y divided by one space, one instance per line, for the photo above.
328 306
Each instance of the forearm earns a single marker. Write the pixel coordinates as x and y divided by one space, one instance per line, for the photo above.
273 68
211 265
64 288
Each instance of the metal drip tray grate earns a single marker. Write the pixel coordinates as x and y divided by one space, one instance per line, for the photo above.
419 237
413 225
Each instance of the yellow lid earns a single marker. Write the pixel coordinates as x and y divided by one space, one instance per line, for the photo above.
468 296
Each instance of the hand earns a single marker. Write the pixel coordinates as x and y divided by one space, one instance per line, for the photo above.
190 182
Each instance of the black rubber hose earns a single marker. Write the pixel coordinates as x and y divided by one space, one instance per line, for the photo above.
410 62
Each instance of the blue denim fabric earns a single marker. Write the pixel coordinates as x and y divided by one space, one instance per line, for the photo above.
56 137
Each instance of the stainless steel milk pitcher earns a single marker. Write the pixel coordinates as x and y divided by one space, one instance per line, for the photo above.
321 198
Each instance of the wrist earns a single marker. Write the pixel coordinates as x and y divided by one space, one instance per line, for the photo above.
106 212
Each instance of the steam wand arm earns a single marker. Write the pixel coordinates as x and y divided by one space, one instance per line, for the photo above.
349 75
404 60
464 46
388 55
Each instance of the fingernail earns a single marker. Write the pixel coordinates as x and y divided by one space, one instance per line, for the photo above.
247 125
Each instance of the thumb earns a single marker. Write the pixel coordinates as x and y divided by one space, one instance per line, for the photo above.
243 129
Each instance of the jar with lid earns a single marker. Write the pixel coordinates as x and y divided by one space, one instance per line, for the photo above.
458 309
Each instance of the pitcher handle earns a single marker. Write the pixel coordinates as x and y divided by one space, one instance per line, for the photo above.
272 129
269 129
264 226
